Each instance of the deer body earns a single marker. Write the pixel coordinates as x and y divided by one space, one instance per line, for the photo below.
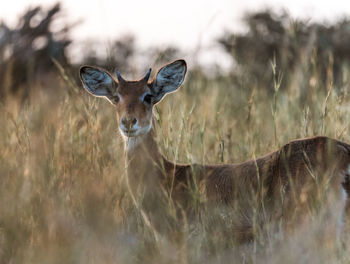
250 193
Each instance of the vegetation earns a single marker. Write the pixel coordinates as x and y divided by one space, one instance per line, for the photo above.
63 192
296 45
26 51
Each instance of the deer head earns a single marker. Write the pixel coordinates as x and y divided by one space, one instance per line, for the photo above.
134 100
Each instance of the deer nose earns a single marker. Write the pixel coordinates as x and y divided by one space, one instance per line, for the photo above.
129 122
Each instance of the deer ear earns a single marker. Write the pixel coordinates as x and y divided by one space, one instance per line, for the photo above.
97 82
169 78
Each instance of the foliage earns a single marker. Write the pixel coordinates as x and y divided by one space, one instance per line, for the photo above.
26 51
63 192
63 196
319 52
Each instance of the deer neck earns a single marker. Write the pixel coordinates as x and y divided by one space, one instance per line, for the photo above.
143 159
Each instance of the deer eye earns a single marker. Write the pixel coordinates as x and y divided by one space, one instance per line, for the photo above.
116 99
148 98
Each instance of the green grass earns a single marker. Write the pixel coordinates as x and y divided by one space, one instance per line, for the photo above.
62 188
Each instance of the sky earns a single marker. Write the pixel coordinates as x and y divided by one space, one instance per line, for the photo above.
185 23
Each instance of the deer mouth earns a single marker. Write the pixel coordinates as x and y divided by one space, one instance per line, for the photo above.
129 132
135 131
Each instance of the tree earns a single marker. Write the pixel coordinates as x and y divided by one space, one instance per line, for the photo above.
26 51
319 51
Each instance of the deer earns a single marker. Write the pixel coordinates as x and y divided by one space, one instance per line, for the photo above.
277 185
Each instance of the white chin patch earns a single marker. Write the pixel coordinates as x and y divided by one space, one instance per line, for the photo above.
133 140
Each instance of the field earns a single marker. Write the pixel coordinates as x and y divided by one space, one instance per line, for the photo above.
62 188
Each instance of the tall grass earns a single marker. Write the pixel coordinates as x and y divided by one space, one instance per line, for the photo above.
63 193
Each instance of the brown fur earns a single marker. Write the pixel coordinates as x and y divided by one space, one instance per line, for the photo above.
294 172
278 186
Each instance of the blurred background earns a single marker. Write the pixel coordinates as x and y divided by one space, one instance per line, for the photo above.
261 73
218 37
